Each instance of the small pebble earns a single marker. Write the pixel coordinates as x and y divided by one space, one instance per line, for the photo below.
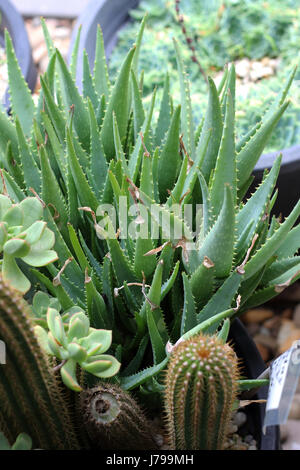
240 419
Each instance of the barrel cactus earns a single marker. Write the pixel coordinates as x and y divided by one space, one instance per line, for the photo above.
201 386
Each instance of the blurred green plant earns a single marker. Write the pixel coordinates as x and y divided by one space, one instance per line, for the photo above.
221 32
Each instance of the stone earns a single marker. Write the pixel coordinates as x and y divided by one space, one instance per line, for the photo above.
267 341
296 316
287 334
287 313
240 419
242 68
273 324
257 315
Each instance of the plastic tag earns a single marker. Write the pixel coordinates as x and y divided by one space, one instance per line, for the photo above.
284 376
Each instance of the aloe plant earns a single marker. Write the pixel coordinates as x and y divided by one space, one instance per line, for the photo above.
115 184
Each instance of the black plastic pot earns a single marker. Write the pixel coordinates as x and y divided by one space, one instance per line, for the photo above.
112 16
13 22
252 366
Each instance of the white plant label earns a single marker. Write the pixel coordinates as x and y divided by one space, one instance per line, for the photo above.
284 376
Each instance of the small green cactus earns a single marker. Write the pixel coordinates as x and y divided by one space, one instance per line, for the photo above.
200 389
114 420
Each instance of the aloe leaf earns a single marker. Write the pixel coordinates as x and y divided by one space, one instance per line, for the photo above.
86 195
32 176
72 98
193 171
169 160
169 283
202 282
189 316
290 245
122 267
224 331
144 264
212 123
47 37
57 117
88 89
278 268
118 146
51 192
96 307
209 325
187 121
101 80
276 286
229 88
280 97
218 244
57 147
74 55
133 381
137 104
223 297
225 169
13 167
256 205
14 191
20 95
158 346
138 44
165 112
98 161
8 134
118 104
272 244
250 153
137 360
137 153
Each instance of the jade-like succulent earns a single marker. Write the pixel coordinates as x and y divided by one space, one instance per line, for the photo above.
114 420
80 344
23 235
23 442
201 386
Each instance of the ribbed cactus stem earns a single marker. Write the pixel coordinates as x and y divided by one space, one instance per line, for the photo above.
32 397
201 386
114 420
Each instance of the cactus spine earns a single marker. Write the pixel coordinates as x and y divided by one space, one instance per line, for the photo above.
201 386
32 397
113 419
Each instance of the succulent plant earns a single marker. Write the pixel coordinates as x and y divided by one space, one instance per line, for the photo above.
115 185
80 344
24 235
114 420
201 386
